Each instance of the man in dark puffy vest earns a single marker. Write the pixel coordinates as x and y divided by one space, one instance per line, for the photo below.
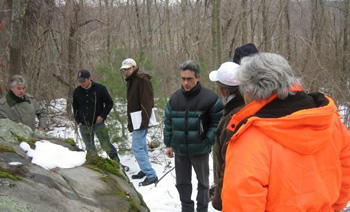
191 117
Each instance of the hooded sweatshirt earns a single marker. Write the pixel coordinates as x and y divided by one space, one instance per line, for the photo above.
140 97
287 155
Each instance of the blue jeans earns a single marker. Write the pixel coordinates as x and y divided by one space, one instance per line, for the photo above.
101 131
139 148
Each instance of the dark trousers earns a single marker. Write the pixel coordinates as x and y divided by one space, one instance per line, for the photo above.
101 131
183 169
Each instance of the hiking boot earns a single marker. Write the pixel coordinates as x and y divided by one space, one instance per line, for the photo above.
139 175
148 181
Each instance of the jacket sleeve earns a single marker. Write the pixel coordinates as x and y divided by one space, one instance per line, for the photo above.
3 113
215 114
146 100
247 173
167 126
344 195
108 103
41 113
75 106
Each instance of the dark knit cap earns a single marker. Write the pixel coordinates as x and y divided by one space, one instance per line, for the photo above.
242 51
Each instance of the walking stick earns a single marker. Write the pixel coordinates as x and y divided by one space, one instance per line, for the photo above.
164 176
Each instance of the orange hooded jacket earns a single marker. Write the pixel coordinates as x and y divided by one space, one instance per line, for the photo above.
298 162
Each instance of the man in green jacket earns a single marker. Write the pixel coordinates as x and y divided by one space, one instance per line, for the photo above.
20 107
191 117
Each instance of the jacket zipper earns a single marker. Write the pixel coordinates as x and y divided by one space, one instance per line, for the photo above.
186 131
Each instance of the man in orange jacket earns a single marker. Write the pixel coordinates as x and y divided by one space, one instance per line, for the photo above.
289 151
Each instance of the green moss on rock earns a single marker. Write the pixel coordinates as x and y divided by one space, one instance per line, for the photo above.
119 191
104 164
6 174
6 149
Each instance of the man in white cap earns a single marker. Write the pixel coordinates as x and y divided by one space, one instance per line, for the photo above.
225 77
140 98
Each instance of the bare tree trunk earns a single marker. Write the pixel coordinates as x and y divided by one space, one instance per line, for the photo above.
217 48
280 27
108 6
265 25
346 56
216 33
346 37
252 24
18 11
184 7
244 22
138 25
72 9
289 32
318 22
149 26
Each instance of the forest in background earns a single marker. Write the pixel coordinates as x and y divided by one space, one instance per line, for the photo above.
48 41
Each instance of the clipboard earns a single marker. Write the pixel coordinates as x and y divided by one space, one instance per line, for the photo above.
136 119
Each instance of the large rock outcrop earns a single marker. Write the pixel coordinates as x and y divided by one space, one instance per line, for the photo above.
99 185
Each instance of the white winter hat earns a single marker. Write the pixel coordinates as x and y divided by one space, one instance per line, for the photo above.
226 74
127 63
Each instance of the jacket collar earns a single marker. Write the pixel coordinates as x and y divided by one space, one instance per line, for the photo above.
132 75
12 99
233 103
195 90
251 109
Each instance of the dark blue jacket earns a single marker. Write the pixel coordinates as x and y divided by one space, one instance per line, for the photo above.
190 121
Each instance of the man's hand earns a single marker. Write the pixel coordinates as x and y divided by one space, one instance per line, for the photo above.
169 152
41 128
99 120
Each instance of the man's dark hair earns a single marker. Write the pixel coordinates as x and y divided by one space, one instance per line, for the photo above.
191 65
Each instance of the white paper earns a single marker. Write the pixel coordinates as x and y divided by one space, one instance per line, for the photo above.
136 119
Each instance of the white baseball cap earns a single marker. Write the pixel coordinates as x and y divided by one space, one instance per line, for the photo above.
127 63
226 74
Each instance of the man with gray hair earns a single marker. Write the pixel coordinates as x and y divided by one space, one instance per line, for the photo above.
289 150
191 117
20 107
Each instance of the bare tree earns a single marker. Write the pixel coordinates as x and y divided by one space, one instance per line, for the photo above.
244 21
266 35
216 33
18 11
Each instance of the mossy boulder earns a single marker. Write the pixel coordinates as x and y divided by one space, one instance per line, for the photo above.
100 185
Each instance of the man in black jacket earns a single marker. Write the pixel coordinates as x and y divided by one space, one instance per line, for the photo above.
91 105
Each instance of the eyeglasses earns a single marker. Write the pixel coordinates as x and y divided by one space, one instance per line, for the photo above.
189 79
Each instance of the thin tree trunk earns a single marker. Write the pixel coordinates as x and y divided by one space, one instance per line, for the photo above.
244 22
216 33
280 27
18 11
265 25
149 26
72 51
289 32
138 25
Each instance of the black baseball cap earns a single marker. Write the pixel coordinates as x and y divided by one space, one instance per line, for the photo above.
83 75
